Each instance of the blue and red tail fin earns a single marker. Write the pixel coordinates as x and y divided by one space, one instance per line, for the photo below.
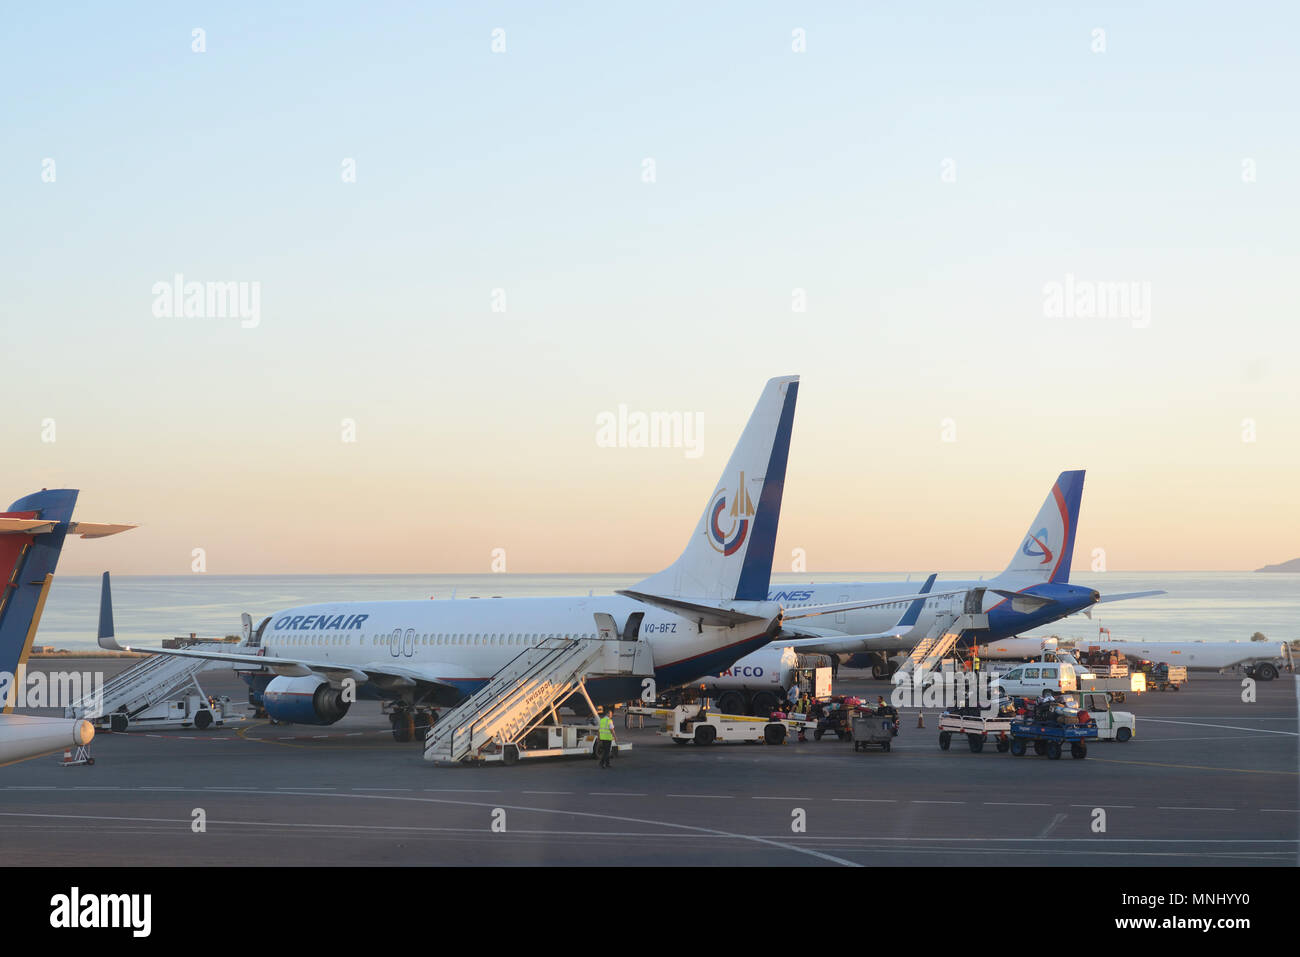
729 556
28 558
1047 548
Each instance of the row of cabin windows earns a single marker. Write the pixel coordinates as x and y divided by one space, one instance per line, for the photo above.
931 603
499 640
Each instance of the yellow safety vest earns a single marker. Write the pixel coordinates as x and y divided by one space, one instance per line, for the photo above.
607 728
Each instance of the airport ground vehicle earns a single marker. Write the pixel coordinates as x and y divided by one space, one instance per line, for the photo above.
700 724
976 728
757 683
1265 670
553 741
836 722
1267 659
1117 687
1050 739
187 711
1035 677
1112 725
873 731
1163 677
1104 662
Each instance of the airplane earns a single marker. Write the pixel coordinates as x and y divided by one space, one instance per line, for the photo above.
700 614
1033 590
32 533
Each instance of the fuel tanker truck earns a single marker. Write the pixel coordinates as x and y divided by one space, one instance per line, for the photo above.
757 683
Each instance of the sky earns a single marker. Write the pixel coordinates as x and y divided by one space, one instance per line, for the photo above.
474 229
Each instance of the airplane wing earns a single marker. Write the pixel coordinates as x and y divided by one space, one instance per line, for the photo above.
829 642
832 643
707 614
1124 596
812 611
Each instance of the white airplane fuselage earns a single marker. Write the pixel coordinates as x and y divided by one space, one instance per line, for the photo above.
466 641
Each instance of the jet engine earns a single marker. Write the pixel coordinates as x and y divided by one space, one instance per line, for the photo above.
305 700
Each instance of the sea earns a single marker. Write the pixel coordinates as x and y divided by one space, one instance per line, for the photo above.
1209 606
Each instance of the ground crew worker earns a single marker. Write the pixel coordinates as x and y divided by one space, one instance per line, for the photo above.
605 738
977 664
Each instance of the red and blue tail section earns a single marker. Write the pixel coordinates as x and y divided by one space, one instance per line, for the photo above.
1047 548
31 537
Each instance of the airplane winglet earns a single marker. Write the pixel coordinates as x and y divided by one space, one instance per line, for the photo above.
913 612
106 637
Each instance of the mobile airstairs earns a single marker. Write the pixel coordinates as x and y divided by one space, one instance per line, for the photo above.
160 691
948 628
516 714
152 691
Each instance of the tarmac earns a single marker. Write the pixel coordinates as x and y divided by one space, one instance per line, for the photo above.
1208 780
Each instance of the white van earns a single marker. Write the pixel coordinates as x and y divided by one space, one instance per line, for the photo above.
1030 680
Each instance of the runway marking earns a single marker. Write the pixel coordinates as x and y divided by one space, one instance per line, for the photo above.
622 794
380 789
1162 807
548 792
305 787
760 797
1280 810
1051 827
461 790
784 845
1225 727
1147 739
938 802
1016 804
1192 767
868 800
714 797
287 743
1109 807
183 823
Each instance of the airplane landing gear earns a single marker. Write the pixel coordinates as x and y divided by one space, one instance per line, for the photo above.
403 722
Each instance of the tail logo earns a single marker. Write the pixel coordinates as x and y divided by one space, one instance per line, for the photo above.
729 541
1038 538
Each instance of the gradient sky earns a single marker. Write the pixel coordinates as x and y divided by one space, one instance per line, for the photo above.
775 170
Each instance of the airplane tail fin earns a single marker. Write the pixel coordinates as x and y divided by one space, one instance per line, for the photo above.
729 556
1047 548
31 538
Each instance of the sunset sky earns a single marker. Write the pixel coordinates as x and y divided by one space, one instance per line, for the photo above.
919 179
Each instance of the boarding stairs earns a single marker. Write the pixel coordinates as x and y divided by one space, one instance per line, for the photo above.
144 684
948 628
528 691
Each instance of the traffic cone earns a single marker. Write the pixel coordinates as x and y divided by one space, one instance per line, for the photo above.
67 756
920 719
